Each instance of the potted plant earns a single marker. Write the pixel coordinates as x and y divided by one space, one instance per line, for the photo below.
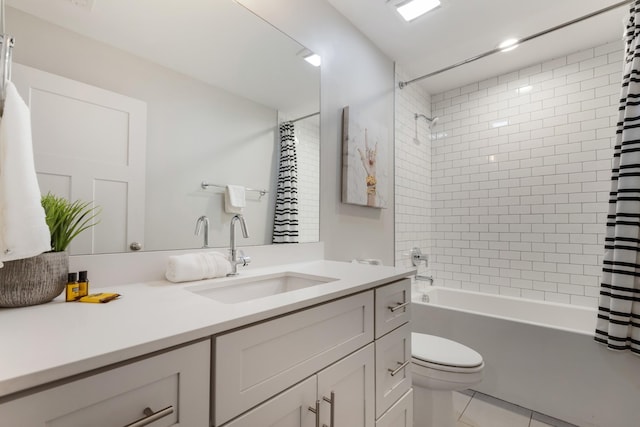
67 219
39 279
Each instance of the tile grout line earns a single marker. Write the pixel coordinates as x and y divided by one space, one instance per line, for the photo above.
466 406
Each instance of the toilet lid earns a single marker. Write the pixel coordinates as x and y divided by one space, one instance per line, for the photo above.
442 351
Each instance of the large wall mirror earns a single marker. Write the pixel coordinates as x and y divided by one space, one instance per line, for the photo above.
135 104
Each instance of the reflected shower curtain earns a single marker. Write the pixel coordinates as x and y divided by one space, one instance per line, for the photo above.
285 222
618 324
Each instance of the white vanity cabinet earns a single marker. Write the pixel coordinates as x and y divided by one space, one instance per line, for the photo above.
340 395
171 387
344 361
255 363
393 354
340 363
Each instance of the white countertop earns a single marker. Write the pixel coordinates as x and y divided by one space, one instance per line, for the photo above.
52 341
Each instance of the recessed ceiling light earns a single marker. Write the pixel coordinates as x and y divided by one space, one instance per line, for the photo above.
508 45
84 4
313 59
411 9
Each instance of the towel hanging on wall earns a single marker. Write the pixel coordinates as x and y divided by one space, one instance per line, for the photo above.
618 324
23 229
234 199
285 222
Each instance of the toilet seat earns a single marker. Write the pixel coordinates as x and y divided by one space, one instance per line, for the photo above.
438 367
442 354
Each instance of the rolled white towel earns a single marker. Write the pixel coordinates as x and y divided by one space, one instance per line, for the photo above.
197 266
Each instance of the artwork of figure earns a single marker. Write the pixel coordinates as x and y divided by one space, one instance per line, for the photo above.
369 162
365 160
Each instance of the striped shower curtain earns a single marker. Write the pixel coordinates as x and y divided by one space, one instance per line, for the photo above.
285 222
618 324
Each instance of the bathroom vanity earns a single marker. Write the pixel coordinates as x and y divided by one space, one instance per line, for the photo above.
328 344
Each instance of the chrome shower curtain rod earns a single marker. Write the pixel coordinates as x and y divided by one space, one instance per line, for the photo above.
402 85
303 117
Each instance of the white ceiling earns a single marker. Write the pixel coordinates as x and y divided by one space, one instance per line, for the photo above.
210 39
461 29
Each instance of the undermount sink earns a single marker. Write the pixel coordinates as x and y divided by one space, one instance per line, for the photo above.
250 288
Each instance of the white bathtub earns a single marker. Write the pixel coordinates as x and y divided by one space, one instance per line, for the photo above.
538 355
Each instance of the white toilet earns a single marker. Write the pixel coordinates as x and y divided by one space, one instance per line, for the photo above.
439 367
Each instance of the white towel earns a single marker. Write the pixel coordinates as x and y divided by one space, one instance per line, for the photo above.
23 229
197 266
234 199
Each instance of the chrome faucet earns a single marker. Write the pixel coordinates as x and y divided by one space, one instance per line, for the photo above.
416 258
203 220
235 259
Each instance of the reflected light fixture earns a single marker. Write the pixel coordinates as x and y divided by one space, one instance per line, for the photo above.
411 9
313 59
524 89
508 45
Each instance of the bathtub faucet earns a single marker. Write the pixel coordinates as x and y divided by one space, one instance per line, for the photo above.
416 258
425 278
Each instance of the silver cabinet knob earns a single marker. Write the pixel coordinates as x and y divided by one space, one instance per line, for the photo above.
135 246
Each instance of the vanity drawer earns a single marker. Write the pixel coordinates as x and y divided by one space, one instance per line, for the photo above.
255 363
400 414
178 379
393 306
393 367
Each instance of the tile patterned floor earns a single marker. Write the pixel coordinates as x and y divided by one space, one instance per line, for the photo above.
475 409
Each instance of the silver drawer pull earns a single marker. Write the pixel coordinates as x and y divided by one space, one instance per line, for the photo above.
316 411
399 306
331 401
151 416
394 372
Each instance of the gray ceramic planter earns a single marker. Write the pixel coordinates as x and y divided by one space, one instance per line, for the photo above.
33 281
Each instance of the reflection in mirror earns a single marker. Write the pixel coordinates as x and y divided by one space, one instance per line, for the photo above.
134 104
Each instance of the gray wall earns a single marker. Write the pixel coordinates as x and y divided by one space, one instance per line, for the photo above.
354 72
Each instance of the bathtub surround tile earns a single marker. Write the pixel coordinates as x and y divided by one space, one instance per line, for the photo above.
413 172
537 168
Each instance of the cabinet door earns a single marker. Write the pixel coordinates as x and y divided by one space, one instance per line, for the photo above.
346 391
288 409
176 382
393 367
400 414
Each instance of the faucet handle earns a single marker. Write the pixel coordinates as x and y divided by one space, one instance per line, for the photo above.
243 258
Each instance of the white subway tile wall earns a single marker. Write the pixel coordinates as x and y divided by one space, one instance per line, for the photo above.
308 151
412 173
520 175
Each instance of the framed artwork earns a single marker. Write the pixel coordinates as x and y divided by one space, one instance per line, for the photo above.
365 160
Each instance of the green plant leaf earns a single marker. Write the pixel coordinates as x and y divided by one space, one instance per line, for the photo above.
67 219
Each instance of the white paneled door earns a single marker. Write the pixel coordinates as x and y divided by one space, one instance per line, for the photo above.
89 144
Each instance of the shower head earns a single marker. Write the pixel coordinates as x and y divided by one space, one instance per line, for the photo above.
431 121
